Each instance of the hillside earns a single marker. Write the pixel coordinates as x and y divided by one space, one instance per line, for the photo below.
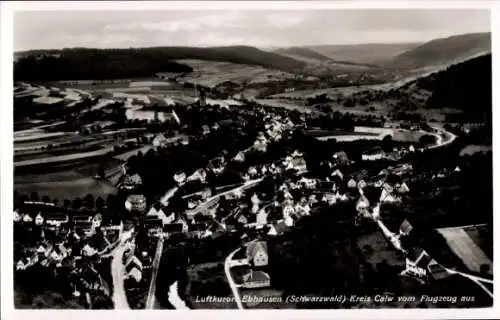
466 86
444 51
300 53
363 53
83 63
461 92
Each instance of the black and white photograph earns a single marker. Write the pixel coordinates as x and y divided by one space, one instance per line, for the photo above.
249 158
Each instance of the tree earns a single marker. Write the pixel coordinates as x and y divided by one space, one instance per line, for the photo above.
99 203
55 201
46 199
387 143
89 201
67 203
34 196
484 269
77 203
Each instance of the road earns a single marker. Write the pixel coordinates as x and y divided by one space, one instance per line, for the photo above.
169 194
440 142
118 272
174 299
151 299
214 198
230 280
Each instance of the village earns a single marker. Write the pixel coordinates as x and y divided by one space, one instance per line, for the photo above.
256 193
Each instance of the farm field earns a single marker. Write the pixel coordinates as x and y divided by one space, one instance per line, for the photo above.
379 251
64 158
482 235
466 249
126 155
62 185
473 148
211 73
38 135
283 104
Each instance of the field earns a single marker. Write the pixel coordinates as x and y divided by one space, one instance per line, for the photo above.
472 148
284 104
62 185
380 249
208 279
466 249
211 73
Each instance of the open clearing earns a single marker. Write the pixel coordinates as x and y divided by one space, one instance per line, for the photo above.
284 104
466 249
211 73
380 249
62 185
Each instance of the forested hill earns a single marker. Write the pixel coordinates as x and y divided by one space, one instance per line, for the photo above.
445 51
466 86
81 63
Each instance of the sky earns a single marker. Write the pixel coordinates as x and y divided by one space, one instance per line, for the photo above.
260 28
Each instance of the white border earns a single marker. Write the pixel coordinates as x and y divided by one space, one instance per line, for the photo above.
7 9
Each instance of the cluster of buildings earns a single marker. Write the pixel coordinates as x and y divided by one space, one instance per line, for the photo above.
59 242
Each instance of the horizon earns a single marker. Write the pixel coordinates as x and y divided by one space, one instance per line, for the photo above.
263 29
261 48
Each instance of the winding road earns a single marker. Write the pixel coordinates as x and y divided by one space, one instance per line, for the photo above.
230 280
117 272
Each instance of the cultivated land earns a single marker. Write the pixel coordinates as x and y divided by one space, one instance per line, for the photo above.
466 249
62 185
263 155
212 73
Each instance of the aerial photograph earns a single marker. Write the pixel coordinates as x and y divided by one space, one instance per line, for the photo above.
252 159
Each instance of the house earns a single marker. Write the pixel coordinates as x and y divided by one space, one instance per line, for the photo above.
255 199
256 253
217 165
340 157
308 183
329 198
387 197
457 169
352 183
199 174
136 202
292 219
403 188
303 209
252 171
337 173
372 155
134 273
132 181
242 219
298 164
197 229
239 157
97 220
279 228
363 204
159 140
179 177
21 264
256 279
17 216
262 217
405 228
411 148
88 250
421 266
362 184
56 219
288 210
39 219
205 130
